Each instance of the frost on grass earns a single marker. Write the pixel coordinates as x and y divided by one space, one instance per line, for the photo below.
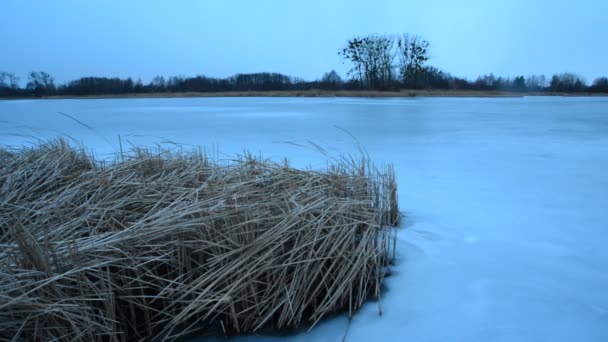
158 244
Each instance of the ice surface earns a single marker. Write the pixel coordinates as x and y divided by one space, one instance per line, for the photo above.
506 200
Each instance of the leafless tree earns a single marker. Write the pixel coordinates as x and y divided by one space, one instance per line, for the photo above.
158 83
372 59
331 80
354 53
536 82
413 54
13 80
3 84
41 83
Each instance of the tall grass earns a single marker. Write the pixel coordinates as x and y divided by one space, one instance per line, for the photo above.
159 244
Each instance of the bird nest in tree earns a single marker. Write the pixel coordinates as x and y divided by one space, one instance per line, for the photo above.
159 244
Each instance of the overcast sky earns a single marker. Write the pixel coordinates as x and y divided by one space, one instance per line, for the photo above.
141 39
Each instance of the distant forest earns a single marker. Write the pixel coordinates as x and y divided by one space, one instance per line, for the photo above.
378 62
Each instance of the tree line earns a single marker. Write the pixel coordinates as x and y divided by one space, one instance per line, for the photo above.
377 62
394 62
41 83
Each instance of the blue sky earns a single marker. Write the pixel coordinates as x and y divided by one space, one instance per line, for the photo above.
141 39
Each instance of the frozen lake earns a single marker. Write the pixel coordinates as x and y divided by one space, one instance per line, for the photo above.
506 200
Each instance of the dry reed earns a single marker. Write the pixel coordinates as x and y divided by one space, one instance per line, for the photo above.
158 244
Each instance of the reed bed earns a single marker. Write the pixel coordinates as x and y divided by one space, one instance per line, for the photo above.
161 244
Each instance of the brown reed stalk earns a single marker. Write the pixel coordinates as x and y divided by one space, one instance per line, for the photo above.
160 244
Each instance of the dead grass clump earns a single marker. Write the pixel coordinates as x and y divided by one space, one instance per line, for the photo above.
161 244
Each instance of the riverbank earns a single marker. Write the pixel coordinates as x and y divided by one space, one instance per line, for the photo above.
322 93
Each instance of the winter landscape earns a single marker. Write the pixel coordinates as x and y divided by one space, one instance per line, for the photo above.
503 200
304 171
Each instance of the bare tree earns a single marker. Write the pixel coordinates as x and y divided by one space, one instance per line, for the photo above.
404 56
387 56
13 80
536 82
487 82
158 83
372 58
331 80
354 53
9 84
3 84
413 54
41 83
